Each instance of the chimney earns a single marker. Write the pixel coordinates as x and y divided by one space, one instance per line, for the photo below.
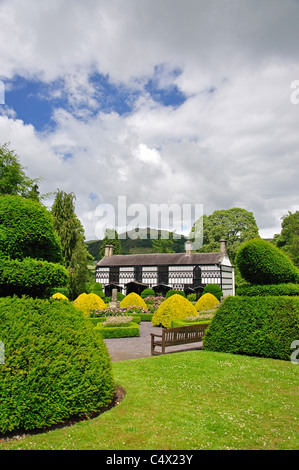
108 251
188 247
223 247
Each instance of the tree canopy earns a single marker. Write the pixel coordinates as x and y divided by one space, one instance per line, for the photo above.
288 239
111 238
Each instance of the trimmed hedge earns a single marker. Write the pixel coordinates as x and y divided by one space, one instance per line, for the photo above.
178 323
214 289
255 326
174 308
55 366
173 292
147 292
251 290
125 331
260 262
30 276
133 300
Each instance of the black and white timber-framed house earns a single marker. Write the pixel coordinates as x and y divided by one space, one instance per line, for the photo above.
187 271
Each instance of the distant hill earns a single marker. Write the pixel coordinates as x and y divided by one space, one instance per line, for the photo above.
139 245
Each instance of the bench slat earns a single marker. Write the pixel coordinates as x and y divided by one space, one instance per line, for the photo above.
176 336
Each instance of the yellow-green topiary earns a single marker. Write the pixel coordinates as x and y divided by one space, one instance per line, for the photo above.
133 300
175 307
206 302
88 302
59 296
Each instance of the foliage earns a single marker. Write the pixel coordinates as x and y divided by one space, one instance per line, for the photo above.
236 225
59 296
259 326
30 277
173 292
270 289
117 320
175 307
26 231
147 293
71 234
288 240
13 179
260 262
132 300
191 297
214 289
121 331
96 288
88 302
206 301
111 238
55 366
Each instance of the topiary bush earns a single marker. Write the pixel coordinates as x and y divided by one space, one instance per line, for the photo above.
261 263
174 308
147 293
214 289
255 326
173 292
56 367
132 300
250 290
59 296
206 301
88 302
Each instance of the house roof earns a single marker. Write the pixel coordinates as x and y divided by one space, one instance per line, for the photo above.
160 259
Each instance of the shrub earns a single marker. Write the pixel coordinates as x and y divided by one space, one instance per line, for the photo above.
260 263
125 331
173 292
206 301
132 300
255 326
250 290
97 289
88 302
59 296
55 365
191 297
175 307
147 293
30 276
214 289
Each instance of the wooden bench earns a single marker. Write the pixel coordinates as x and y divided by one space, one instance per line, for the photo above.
175 336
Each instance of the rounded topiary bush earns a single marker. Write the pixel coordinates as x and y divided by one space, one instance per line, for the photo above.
59 296
261 263
88 302
55 366
214 289
173 292
147 293
206 301
175 307
132 300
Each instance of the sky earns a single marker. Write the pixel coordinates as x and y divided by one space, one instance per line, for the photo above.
136 104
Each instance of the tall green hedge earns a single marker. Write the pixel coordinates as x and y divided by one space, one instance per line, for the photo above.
261 263
255 326
55 366
251 290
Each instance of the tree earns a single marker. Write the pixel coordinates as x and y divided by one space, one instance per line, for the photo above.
236 225
163 245
111 238
72 237
288 240
13 179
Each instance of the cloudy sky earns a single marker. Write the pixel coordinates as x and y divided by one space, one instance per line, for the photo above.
185 102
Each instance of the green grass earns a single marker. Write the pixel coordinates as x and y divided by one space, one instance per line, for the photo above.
191 400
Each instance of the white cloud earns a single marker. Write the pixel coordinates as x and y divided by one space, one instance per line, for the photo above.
233 142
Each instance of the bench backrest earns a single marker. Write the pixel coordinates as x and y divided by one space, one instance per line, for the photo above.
184 334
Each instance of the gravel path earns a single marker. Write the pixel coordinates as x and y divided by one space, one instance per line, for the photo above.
121 349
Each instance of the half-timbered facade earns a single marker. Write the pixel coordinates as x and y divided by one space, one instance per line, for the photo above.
180 271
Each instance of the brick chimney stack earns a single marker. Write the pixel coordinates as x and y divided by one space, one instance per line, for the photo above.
108 251
223 246
188 247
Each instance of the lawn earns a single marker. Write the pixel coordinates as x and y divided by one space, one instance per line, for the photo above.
189 401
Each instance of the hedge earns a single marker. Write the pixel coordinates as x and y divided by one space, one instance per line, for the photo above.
129 330
179 323
271 289
174 308
55 366
30 276
255 326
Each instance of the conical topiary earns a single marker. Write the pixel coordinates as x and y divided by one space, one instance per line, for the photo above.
88 302
206 302
132 300
175 307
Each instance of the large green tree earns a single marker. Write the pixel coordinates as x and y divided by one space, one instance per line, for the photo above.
111 238
288 239
71 233
236 225
13 180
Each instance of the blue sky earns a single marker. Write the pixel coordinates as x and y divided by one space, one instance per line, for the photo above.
167 102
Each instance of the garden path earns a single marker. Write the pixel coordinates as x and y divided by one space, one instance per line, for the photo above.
121 349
